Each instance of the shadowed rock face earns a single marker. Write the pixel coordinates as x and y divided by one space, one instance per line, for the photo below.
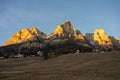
89 38
116 42
27 48
31 47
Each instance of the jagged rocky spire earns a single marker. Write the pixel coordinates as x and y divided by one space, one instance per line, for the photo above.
66 30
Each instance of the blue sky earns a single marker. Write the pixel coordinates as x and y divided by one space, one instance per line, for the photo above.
85 15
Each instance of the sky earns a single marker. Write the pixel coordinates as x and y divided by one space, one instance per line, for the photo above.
46 15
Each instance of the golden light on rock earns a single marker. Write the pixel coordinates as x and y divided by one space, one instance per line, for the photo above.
118 39
80 37
22 36
58 31
66 30
34 30
101 37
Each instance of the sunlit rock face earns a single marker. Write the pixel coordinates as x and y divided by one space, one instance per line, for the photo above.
66 30
118 39
102 38
23 35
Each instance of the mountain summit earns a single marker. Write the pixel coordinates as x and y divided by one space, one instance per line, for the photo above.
23 35
66 30
102 38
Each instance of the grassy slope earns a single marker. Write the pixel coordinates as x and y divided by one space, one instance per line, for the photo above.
89 66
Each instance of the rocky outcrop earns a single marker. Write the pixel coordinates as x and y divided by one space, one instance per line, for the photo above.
102 38
66 30
65 39
99 40
116 42
25 34
118 39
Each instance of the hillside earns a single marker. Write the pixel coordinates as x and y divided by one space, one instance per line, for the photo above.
89 66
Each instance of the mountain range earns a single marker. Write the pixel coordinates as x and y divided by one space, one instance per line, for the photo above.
65 39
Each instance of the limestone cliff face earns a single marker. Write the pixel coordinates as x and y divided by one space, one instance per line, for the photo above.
65 30
102 38
23 35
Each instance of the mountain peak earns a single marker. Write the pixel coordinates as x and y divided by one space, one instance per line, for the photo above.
65 30
67 21
34 30
101 37
23 35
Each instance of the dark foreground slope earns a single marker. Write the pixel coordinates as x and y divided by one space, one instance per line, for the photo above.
89 66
